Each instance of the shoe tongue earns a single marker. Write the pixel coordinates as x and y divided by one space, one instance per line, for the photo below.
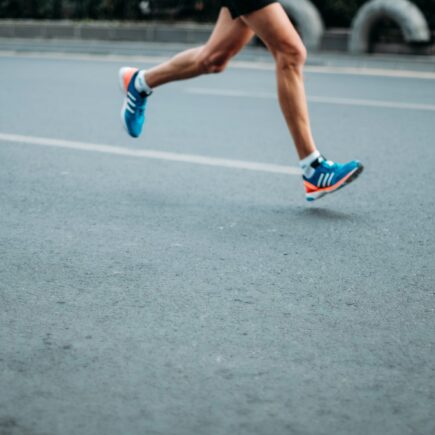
317 162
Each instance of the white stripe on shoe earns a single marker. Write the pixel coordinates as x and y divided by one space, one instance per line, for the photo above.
319 182
131 96
331 177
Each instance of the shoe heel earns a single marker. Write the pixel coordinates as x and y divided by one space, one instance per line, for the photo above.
124 76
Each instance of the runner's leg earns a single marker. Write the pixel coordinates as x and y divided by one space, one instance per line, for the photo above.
228 38
273 26
320 176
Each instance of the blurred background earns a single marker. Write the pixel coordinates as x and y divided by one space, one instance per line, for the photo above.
335 13
336 18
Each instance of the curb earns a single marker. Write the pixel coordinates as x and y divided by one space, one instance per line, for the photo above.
107 31
333 40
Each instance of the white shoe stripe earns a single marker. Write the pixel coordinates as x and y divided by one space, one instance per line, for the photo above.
331 177
131 96
320 180
129 109
133 105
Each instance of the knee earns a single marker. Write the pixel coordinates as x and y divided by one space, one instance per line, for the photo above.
290 56
212 63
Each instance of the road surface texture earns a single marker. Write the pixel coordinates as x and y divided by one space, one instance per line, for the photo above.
179 284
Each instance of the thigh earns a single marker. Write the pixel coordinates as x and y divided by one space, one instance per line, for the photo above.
229 35
273 26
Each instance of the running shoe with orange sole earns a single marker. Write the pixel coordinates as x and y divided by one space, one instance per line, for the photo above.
329 177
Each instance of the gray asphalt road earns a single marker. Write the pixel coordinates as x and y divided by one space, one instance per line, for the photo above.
143 296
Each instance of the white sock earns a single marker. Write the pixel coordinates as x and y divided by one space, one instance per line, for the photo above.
140 83
305 163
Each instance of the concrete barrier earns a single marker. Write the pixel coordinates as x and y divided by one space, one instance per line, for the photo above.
307 19
191 33
403 12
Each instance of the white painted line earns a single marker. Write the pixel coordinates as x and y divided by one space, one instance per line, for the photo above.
341 70
111 58
315 99
151 154
230 93
373 103
259 65
371 72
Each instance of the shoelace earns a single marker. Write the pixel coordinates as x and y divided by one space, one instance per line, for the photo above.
327 164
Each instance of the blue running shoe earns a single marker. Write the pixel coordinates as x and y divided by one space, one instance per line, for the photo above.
133 109
327 177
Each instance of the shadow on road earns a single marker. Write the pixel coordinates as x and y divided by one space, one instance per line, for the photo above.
324 214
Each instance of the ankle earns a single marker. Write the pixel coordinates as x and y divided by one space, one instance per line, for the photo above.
141 83
306 163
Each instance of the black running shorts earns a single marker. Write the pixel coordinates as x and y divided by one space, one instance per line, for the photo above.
242 7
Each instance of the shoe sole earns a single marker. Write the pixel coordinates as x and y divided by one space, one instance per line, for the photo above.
352 177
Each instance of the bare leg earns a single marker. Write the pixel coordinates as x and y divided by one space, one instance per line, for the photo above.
272 25
227 39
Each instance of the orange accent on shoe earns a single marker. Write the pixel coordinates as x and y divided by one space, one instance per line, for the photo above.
128 74
311 188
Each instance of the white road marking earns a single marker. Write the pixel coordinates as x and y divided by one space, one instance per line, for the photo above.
315 99
230 93
151 154
343 70
260 65
83 57
371 72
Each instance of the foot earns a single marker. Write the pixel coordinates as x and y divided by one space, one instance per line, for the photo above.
133 108
329 177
